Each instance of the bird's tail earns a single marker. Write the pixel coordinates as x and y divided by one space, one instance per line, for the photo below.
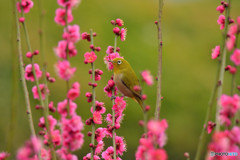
139 100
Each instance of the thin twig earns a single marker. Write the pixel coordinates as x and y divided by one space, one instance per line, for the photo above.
159 84
113 112
233 86
45 110
93 102
217 91
21 66
223 53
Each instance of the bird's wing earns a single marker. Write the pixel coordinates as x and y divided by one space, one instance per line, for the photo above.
131 81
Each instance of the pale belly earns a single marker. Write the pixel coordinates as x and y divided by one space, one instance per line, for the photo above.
121 87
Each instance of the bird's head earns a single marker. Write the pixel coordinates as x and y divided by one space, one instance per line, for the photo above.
119 64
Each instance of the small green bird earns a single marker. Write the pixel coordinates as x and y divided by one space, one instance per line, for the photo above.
125 80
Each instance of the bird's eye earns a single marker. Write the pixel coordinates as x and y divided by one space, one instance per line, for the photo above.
119 62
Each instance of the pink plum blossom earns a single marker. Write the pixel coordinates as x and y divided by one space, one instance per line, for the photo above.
215 52
108 154
99 107
60 16
89 97
68 3
109 88
119 22
98 74
233 29
24 5
90 57
43 89
235 57
30 149
74 92
119 105
238 21
99 147
29 72
64 154
72 33
231 69
4 155
52 122
123 34
110 50
222 142
210 126
64 46
51 107
231 42
229 107
64 70
71 136
86 36
55 136
97 118
221 21
220 8
158 154
235 135
100 134
147 147
147 77
62 108
120 145
157 127
88 157
46 154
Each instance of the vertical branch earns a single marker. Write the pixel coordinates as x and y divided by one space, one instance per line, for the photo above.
45 110
21 66
223 53
159 85
41 45
145 121
113 131
233 85
93 102
217 90
67 50
113 112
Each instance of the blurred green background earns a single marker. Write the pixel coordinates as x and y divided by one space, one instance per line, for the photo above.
190 31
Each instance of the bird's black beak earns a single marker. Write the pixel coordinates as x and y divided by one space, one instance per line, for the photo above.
110 61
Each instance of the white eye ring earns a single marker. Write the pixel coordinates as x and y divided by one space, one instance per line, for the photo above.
119 62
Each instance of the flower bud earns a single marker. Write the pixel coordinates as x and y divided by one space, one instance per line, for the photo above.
116 30
36 52
91 46
113 22
89 134
21 19
147 108
29 55
186 154
141 123
98 49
